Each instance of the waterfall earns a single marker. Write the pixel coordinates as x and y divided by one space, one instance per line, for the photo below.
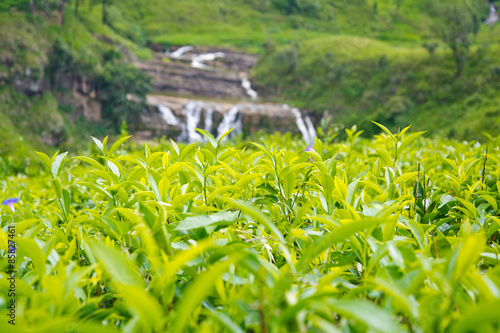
192 111
168 115
308 131
179 52
247 85
198 60
208 119
207 115
231 119
311 130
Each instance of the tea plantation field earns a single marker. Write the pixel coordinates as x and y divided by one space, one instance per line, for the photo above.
398 233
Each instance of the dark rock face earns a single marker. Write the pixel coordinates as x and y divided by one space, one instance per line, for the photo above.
29 84
182 79
82 97
83 106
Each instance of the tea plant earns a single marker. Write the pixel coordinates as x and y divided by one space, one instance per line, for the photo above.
398 233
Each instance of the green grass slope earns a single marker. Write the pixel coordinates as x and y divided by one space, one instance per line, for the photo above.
249 24
361 79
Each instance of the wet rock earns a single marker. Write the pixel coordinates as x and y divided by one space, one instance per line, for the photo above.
183 79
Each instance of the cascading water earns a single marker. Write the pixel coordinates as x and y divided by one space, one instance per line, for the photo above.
197 114
310 129
208 119
168 115
198 60
205 114
179 52
192 112
247 85
305 127
493 17
232 119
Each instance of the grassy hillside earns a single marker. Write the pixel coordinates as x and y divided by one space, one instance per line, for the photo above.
249 24
360 80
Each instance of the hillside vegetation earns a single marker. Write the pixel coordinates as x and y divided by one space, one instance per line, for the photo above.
361 79
446 81
249 24
41 63
359 60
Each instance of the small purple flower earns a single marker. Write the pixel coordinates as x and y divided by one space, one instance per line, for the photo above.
309 148
10 202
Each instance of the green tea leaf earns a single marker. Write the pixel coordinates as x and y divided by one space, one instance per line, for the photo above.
117 265
56 165
118 143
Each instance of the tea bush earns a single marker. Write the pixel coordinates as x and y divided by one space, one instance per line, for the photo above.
397 233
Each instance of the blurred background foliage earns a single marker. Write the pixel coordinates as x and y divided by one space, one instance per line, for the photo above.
430 63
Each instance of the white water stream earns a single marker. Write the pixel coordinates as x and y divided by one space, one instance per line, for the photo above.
209 119
194 111
177 54
197 60
305 127
311 130
168 115
247 85
232 119
493 17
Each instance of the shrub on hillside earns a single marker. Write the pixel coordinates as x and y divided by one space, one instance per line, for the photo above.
114 83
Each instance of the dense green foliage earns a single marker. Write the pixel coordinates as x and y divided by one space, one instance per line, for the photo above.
116 82
396 233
